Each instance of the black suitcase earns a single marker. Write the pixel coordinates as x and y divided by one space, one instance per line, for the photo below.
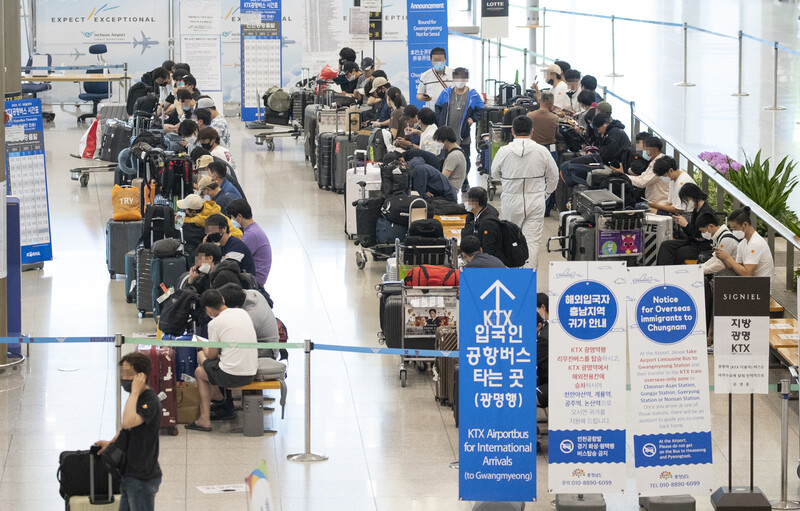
582 241
121 238
166 271
116 137
300 100
455 392
322 171
144 281
509 91
81 474
344 147
130 276
368 211
310 129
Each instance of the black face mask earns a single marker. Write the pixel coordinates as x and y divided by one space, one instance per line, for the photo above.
126 385
214 237
381 94
550 82
207 147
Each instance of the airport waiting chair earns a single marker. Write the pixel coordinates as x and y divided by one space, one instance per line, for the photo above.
32 89
95 91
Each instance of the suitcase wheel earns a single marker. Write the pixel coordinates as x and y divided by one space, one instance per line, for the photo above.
141 314
112 275
173 431
270 145
403 377
128 299
361 261
84 180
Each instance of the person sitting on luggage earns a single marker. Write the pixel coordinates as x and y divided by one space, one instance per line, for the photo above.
476 202
211 191
395 105
573 79
655 189
254 237
427 181
666 168
589 82
217 231
720 237
455 166
226 368
543 307
219 173
138 438
583 117
184 104
405 128
203 159
753 256
265 324
545 124
209 140
348 78
207 256
679 251
615 146
197 212
473 255
382 111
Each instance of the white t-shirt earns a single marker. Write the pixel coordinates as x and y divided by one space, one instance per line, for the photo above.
235 325
561 99
675 189
655 189
756 251
426 142
223 154
428 84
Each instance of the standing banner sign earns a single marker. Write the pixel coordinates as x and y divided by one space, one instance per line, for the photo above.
27 177
261 53
259 491
587 377
427 29
741 335
201 44
669 380
497 385
494 18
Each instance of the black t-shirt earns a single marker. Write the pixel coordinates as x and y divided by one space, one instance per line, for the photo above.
141 443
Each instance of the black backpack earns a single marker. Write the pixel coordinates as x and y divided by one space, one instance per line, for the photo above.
572 139
159 223
396 208
395 178
514 251
620 185
508 120
426 228
137 90
151 138
175 175
180 311
73 475
145 105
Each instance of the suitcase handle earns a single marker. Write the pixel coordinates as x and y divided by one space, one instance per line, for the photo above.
558 238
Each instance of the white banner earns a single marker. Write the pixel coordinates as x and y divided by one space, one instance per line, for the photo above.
669 380
587 398
201 44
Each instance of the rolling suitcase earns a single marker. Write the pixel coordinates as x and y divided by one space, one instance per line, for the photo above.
310 130
116 137
588 202
322 171
344 147
300 100
446 340
455 392
165 271
144 282
130 276
657 229
121 238
582 241
368 213
360 171
390 313
162 381
84 482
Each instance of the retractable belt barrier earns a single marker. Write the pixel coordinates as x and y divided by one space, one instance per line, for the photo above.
75 68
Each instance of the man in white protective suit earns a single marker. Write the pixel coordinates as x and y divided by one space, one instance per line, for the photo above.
529 175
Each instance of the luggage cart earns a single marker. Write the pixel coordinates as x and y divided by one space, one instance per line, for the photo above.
294 129
488 145
82 173
620 235
383 251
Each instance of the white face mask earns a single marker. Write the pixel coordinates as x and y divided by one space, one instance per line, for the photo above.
204 268
191 139
665 179
645 156
206 197
739 235
690 205
459 85
706 235
236 224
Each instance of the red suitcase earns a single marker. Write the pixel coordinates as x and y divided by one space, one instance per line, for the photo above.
162 381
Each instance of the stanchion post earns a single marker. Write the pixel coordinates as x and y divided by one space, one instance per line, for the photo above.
784 389
307 456
775 105
483 66
499 59
685 82
739 91
524 69
613 51
544 35
118 342
633 121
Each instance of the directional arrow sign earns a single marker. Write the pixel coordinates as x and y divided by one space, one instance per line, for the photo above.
496 287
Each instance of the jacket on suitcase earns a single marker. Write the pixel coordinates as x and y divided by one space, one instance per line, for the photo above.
446 340
121 238
162 379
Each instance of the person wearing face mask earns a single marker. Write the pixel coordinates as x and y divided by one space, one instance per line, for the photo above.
138 438
720 237
346 55
435 80
218 231
478 224
554 76
218 121
367 68
190 83
655 189
209 190
694 243
254 237
197 211
209 140
667 169
753 256
187 131
184 104
162 85
573 79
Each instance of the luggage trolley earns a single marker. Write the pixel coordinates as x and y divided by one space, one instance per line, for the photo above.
488 145
294 129
383 251
620 235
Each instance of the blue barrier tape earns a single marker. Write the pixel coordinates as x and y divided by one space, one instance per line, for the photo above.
611 93
651 22
202 344
788 50
754 38
64 68
52 340
718 34
387 351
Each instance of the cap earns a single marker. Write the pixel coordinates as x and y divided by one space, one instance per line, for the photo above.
204 182
366 63
205 103
552 68
604 107
379 82
192 201
204 161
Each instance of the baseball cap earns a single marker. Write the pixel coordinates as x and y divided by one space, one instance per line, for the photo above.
203 161
604 107
204 182
367 63
192 201
379 82
552 68
205 103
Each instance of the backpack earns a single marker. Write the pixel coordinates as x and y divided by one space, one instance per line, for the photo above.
136 91
396 208
508 120
178 312
395 178
377 146
145 104
175 175
159 223
620 185
427 228
431 276
572 139
277 100
514 250
150 138
168 247
440 206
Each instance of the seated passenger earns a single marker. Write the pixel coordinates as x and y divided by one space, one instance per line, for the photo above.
428 181
473 255
197 211
218 121
666 168
226 368
655 189
427 122
211 191
218 231
219 172
477 205
254 237
720 237
209 140
753 257
689 248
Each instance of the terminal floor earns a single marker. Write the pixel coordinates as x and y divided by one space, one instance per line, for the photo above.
389 446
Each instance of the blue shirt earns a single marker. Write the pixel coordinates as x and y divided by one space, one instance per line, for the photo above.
229 188
237 250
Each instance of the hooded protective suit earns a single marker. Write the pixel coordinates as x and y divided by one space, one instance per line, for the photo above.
529 175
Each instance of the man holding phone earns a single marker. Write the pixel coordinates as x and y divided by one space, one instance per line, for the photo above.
433 81
656 190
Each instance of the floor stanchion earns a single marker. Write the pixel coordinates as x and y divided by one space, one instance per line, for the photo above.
783 388
739 91
613 73
775 106
685 82
307 456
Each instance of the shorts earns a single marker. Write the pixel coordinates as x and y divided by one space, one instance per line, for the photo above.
217 376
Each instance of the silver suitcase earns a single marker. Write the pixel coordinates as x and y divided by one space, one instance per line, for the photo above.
657 229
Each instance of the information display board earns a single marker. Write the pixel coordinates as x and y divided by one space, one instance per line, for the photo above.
497 385
27 177
201 44
587 398
494 18
427 29
261 53
669 380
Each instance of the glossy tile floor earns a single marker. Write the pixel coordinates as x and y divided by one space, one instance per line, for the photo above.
389 447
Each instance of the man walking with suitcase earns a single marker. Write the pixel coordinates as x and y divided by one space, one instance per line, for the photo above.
529 175
141 418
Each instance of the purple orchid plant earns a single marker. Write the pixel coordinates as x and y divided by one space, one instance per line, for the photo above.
720 162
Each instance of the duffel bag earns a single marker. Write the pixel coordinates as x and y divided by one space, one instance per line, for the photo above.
431 276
